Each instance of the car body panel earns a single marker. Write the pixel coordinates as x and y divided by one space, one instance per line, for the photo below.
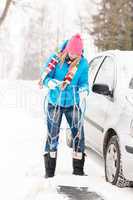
104 113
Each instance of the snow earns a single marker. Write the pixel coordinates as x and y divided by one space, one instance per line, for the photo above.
23 132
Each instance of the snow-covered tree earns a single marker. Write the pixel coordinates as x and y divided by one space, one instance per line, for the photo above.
112 25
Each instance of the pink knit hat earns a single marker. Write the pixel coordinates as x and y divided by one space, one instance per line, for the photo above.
75 45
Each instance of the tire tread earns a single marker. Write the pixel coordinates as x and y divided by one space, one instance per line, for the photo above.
121 181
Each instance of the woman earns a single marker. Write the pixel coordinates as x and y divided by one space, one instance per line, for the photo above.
66 76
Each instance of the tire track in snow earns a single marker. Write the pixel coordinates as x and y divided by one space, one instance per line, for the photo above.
81 193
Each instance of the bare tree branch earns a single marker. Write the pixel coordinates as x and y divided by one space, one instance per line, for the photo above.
4 14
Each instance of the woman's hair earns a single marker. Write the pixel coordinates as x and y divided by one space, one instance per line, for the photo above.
62 56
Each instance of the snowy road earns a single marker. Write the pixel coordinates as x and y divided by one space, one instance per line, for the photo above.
22 132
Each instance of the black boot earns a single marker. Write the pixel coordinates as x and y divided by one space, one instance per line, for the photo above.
78 165
50 165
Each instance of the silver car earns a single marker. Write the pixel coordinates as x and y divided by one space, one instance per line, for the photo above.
109 114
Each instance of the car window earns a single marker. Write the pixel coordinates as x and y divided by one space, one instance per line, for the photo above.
106 73
94 66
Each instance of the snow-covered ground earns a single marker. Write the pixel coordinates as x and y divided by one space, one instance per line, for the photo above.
22 131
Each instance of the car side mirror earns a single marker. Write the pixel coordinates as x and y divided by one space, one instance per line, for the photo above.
102 89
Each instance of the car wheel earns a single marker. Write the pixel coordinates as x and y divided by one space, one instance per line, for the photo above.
113 164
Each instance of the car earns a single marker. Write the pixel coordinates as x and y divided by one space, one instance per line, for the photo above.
108 120
109 114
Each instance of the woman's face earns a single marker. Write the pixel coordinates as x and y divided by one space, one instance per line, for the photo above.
72 56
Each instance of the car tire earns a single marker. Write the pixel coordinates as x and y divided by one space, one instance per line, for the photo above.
113 164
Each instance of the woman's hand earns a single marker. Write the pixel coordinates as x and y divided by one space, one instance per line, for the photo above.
83 96
53 83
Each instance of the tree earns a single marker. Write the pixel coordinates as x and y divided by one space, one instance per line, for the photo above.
38 43
112 25
6 7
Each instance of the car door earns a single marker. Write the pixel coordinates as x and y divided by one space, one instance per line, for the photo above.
97 104
94 65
